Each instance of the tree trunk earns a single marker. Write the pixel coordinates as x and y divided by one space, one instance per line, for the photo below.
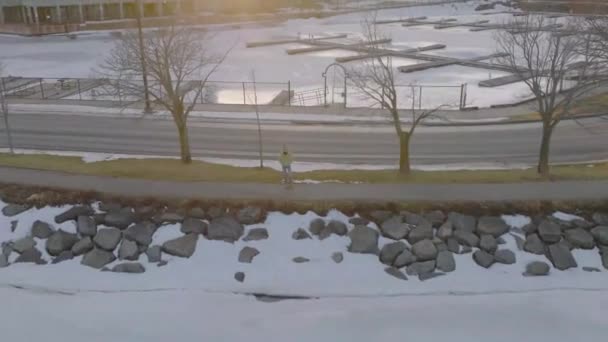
184 143
543 158
404 153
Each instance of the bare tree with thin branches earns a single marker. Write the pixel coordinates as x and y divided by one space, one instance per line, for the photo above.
178 63
557 68
375 79
4 109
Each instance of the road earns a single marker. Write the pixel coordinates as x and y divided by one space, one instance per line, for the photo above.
344 144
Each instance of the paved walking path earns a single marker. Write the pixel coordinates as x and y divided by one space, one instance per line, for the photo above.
567 190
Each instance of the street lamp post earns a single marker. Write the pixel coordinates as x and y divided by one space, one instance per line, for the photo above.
142 58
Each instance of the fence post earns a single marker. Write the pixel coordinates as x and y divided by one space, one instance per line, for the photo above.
79 93
41 89
289 92
244 98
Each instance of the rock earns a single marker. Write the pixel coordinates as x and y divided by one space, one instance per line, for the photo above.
441 247
337 227
534 245
31 255
453 245
466 238
549 231
168 218
225 228
23 244
107 238
83 246
445 261
488 243
97 258
600 218
300 234
3 261
530 228
435 217
462 222
358 221
380 216
64 256
162 263
239 276
404 259
561 257
41 230
427 276
600 234
120 219
500 241
420 267
337 257
325 233
14 209
420 233
73 213
537 268
579 223
363 240
128 250
504 256
109 206
141 233
580 238
519 242
424 250
299 260
390 251
316 226
215 212
247 254
193 225
395 272
445 231
466 250
99 219
249 215
197 213
154 253
255 234
604 256
483 258
60 241
7 248
591 269
182 246
129 267
86 226
394 228
491 225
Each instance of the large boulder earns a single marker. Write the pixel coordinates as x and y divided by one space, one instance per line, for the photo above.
73 213
435 217
129 267
395 272
549 231
316 226
83 246
141 233
462 222
537 268
483 258
60 241
561 257
424 250
247 254
31 255
421 267
107 238
466 238
580 238
225 228
491 225
394 228
119 219
600 234
300 234
182 247
504 256
97 258
488 243
404 259
363 240
337 227
154 254
445 231
600 218
41 230
534 245
445 261
422 232
255 234
128 250
193 225
23 244
86 226
390 251
249 215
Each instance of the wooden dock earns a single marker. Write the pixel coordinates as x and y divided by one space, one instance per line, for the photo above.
292 40
386 53
325 47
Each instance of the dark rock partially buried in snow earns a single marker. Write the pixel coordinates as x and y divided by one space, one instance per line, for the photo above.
422 232
60 241
154 253
300 234
492 225
73 213
549 231
363 240
537 268
427 276
141 233
591 269
488 243
64 256
404 259
120 219
239 276
86 226
31 255
424 250
394 228
580 238
337 227
462 222
445 261
3 261
483 259
225 228
194 225
466 238
129 267
504 256
395 272
337 257
249 215
255 234
97 258
83 246
182 246
534 245
247 254
23 244
299 260
561 257
418 268
107 238
390 251
14 209
128 250
316 226
41 230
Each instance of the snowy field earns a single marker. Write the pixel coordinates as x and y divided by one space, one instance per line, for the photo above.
57 56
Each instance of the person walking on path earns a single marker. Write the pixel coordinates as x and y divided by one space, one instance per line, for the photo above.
286 159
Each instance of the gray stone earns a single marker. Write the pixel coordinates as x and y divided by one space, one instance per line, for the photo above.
225 228
404 259
363 240
445 231
239 276
500 241
561 257
424 250
141 233
390 251
549 231
3 261
427 276
466 250
483 258
337 227
247 254
197 212
580 238
182 246
395 272
249 215
215 212
255 234
519 242
466 238
337 257
83 246
580 223
64 256
162 263
99 218
193 225
7 248
394 228
600 234
534 245
31 255
299 260
73 213
23 244
537 268
445 261
420 267
380 216
420 233
86 226
14 224
491 225
358 221
316 226
591 269
462 222
129 267
453 245
120 219
41 230
300 234
530 228
128 250
600 218
504 256
109 206
441 247
97 258
154 253
488 243
14 209
435 217
107 238
604 256
60 241
168 218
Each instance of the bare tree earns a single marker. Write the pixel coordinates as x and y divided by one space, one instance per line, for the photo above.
557 68
178 63
376 81
4 109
